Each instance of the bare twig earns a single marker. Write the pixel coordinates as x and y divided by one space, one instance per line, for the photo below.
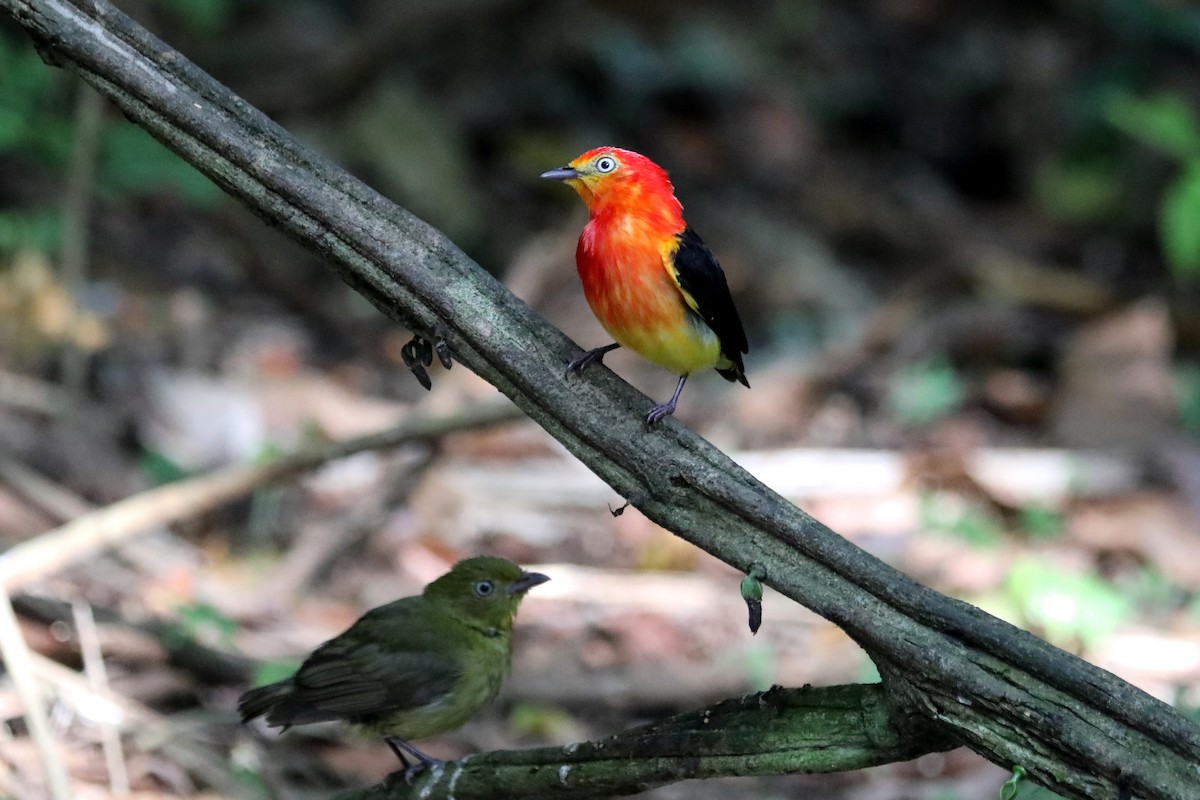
150 731
97 676
44 493
30 394
118 522
77 207
18 662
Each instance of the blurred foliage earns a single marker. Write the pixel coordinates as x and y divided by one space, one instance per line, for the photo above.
925 391
201 622
133 163
1168 124
33 121
1068 609
1039 522
272 671
1187 395
37 128
543 721
160 469
945 513
760 666
29 230
201 16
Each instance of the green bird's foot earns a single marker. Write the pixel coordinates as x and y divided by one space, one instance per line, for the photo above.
403 749
595 356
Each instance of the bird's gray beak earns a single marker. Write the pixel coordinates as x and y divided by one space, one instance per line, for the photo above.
526 582
561 174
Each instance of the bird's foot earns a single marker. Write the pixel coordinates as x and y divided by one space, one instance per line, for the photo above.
658 412
403 749
418 354
409 773
443 353
668 408
440 347
594 356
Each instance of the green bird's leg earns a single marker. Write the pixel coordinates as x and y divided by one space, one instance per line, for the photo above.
594 356
658 412
401 748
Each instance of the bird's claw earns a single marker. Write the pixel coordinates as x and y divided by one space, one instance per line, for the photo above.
410 772
578 365
443 353
657 413
418 354
593 356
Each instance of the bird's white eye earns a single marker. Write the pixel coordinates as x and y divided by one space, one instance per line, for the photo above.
484 588
606 164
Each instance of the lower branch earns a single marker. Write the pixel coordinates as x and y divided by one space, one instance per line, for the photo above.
780 731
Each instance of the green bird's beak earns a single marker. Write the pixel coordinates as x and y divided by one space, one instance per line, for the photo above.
561 174
526 582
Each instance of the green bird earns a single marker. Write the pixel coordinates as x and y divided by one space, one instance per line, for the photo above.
413 668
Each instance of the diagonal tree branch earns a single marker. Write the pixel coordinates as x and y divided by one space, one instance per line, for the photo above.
1002 692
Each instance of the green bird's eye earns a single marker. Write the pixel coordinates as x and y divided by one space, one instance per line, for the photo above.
484 588
606 164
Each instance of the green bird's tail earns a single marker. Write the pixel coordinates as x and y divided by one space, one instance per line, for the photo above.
260 701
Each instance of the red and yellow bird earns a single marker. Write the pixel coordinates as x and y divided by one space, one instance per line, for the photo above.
648 277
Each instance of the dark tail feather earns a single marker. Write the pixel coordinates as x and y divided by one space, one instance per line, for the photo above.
260 701
736 370
733 374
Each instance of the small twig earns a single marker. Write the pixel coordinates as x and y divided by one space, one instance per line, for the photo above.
314 549
97 676
210 665
30 394
18 662
77 207
151 730
122 520
44 493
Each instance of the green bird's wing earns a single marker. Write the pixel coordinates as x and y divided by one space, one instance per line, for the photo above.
702 283
388 661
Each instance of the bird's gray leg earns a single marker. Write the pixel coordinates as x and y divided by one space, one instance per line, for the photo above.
658 412
591 357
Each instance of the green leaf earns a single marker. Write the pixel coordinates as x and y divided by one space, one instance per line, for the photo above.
277 670
1179 223
1187 395
37 229
1066 607
1082 191
1040 522
949 514
926 391
203 16
1164 121
133 161
1009 790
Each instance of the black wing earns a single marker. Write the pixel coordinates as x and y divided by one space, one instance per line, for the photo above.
703 284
